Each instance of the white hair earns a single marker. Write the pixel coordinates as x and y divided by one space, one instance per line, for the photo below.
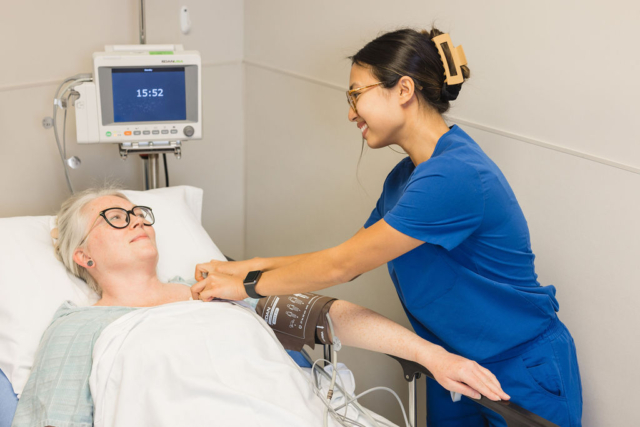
72 226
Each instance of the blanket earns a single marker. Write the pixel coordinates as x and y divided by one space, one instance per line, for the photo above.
195 363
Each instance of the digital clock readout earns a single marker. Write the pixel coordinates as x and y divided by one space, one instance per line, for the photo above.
149 94
143 93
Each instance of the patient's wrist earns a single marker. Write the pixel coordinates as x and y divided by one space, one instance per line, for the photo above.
429 353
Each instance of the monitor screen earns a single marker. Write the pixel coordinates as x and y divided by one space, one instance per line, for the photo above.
148 94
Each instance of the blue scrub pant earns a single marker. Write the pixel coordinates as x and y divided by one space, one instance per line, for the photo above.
543 378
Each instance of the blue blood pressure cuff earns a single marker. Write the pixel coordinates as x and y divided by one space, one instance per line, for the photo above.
297 319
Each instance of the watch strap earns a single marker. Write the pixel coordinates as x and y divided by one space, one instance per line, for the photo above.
250 283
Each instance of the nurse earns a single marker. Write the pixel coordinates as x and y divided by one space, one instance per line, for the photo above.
452 233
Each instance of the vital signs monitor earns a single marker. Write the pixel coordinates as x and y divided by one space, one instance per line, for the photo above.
141 94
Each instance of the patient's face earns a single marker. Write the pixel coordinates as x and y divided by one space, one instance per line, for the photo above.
114 248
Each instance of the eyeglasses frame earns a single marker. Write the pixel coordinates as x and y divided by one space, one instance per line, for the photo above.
128 212
352 101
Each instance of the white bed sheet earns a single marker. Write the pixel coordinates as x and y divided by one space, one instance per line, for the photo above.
195 363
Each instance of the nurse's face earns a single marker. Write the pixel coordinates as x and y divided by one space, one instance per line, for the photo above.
379 116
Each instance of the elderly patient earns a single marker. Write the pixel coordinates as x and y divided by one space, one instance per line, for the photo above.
109 242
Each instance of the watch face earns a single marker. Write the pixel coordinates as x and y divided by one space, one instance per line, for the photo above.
252 276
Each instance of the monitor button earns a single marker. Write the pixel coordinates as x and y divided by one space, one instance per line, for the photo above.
146 132
174 131
189 131
136 132
164 131
156 132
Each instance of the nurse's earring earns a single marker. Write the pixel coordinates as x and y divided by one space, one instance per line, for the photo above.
90 263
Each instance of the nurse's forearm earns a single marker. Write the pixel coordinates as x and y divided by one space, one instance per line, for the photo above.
309 273
360 327
267 264
365 251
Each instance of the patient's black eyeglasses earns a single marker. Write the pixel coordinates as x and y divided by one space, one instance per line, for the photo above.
121 218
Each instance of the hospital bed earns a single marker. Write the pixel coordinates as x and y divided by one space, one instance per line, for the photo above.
26 305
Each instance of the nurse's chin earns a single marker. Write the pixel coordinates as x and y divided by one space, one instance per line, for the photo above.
377 144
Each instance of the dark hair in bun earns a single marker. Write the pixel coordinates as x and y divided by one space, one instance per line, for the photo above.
411 53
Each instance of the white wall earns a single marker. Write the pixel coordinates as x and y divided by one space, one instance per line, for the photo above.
556 74
44 42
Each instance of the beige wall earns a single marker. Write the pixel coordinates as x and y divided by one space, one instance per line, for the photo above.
553 73
303 195
544 74
48 41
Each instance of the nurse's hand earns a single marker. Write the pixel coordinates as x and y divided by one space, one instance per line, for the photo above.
232 268
455 373
219 285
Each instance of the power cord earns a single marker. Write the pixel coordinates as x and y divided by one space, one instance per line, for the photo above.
166 170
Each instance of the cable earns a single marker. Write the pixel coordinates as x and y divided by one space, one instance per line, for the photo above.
341 419
166 170
404 413
58 102
55 133
325 401
334 356
64 133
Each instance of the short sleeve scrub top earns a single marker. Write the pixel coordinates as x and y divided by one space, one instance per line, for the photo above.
471 287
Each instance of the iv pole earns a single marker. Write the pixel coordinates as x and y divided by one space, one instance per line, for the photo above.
149 151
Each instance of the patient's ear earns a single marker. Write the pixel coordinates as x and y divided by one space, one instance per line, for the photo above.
82 258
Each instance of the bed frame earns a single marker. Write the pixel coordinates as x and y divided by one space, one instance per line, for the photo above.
514 415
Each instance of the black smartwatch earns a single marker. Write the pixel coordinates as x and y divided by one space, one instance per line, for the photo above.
250 283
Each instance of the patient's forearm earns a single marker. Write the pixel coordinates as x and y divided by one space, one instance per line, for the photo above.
360 327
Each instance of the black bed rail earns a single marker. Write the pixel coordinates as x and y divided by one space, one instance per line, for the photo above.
514 415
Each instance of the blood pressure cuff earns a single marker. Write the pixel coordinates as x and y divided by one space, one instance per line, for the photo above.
297 319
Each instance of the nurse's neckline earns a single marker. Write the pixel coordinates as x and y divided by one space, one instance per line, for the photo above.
439 148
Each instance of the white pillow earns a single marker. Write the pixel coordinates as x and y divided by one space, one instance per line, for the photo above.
33 283
182 241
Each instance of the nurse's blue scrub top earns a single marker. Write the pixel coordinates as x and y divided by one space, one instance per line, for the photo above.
471 286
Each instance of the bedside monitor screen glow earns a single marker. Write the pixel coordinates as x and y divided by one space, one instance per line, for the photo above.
149 94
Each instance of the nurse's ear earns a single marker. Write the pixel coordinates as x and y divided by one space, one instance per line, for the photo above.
407 90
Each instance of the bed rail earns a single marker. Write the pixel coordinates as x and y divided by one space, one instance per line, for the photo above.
514 415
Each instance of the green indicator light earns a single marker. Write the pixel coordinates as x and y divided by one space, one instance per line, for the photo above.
161 52
108 133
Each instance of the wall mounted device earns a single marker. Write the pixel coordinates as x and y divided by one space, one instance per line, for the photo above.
147 98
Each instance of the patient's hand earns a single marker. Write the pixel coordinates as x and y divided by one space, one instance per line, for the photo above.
455 373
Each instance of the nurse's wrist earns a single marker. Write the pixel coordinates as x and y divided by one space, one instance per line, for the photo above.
263 264
259 287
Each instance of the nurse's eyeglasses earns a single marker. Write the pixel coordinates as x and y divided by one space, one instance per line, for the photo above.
352 95
121 218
